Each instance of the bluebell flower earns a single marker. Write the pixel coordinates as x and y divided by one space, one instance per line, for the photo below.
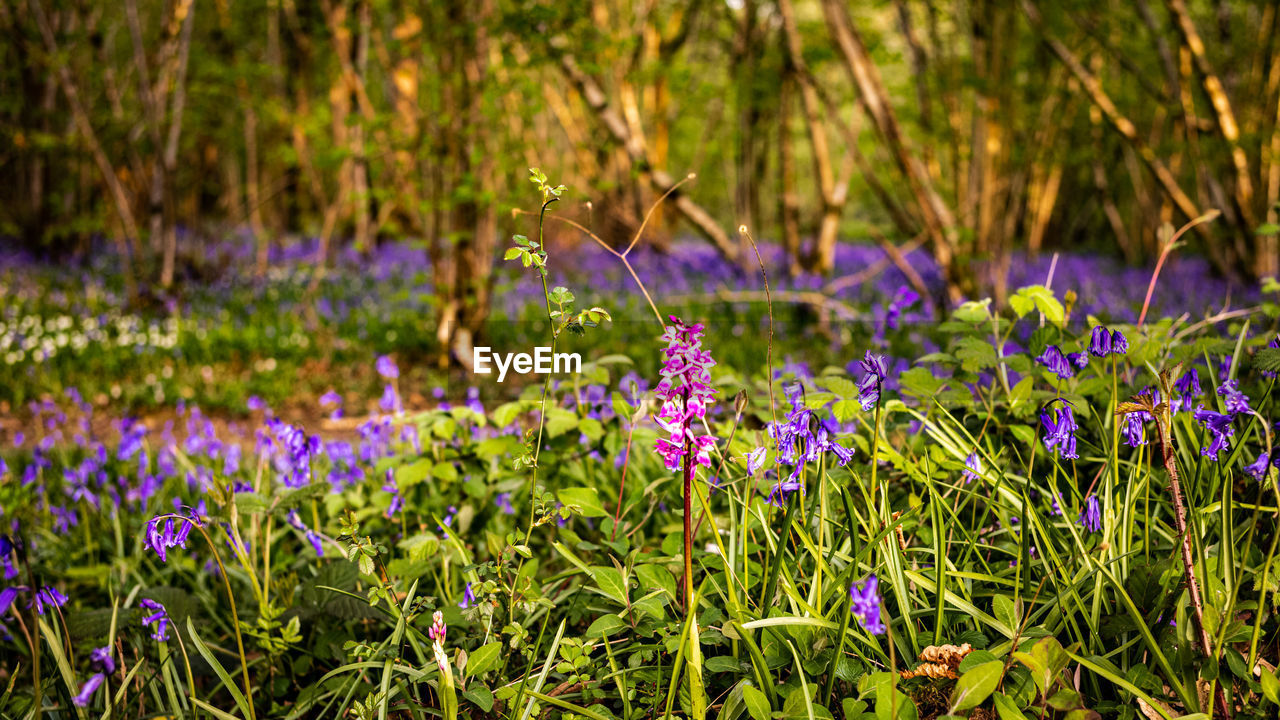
446 521
1134 428
161 539
390 401
972 467
1188 387
1119 343
332 398
1057 363
1258 468
102 660
797 441
1235 401
1219 425
7 596
503 503
317 542
1059 431
386 367
48 596
160 618
397 501
468 597
1274 344
1100 342
755 460
875 369
866 605
1091 515
782 491
82 698
255 403
1079 360
6 551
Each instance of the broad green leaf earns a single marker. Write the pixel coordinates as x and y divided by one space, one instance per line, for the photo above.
611 583
584 499
605 625
973 312
757 703
1270 686
484 658
975 686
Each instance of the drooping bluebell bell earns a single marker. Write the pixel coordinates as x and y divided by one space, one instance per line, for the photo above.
160 539
160 618
102 660
1091 515
386 367
468 597
46 597
1233 400
334 400
6 558
782 491
972 467
1258 468
1274 344
447 521
1057 363
1134 428
1188 387
503 502
390 401
291 451
82 698
317 542
1219 426
397 500
1119 343
7 596
1100 342
755 460
902 299
875 369
1060 430
865 597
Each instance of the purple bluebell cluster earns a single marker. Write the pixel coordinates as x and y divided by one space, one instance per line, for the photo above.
1234 401
1062 365
158 617
1091 515
865 598
161 538
874 371
313 537
972 467
1220 431
1188 387
801 439
1060 429
1104 342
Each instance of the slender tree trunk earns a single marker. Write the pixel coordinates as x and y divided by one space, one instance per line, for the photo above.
822 259
81 118
186 9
